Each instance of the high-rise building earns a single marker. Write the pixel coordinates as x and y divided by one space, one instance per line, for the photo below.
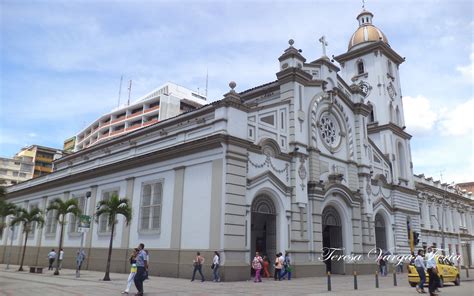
162 103
15 170
42 157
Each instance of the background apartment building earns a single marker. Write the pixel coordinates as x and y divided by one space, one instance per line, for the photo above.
42 158
162 103
15 170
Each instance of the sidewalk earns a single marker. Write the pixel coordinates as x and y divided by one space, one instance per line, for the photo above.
16 283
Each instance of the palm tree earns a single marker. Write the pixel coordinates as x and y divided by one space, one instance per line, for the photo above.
6 209
112 207
27 218
62 208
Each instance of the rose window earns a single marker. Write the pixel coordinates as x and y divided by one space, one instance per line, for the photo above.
329 130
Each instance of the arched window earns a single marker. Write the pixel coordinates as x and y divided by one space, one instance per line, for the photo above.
401 160
360 67
372 113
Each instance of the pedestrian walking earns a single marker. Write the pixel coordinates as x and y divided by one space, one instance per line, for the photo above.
383 265
432 271
80 257
197 263
257 266
133 270
142 266
420 268
147 260
216 262
278 267
286 270
266 264
61 257
51 258
282 261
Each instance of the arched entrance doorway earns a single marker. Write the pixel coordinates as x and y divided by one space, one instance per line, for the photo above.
263 227
380 233
332 238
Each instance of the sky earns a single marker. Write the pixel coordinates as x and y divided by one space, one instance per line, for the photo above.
61 61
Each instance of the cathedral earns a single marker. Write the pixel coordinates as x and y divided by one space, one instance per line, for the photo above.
317 159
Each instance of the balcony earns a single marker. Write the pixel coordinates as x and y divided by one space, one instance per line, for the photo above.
117 132
118 119
150 122
43 169
151 109
133 127
135 114
44 159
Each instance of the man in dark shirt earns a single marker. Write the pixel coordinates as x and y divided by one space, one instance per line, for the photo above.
142 266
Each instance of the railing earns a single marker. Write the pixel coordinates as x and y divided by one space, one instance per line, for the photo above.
117 132
133 127
135 114
151 109
150 122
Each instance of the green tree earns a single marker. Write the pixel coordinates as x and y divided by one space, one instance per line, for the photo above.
6 209
27 219
62 208
112 207
3 193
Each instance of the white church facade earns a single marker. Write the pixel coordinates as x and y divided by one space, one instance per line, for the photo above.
317 158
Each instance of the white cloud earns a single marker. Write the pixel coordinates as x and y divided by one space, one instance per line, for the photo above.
458 121
467 71
419 115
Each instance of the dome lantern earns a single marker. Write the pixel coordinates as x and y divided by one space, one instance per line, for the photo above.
365 18
367 32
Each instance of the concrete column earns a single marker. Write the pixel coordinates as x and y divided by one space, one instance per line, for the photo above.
216 205
177 217
177 208
40 230
126 228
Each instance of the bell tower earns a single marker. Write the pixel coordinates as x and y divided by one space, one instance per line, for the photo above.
373 65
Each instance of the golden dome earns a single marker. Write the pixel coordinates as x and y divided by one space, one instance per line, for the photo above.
366 31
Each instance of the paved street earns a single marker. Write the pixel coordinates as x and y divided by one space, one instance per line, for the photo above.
18 284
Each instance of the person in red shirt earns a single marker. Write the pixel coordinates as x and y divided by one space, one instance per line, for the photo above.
266 263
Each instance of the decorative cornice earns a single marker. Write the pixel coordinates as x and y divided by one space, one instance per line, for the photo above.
371 129
325 61
387 50
293 75
203 144
291 52
361 108
272 177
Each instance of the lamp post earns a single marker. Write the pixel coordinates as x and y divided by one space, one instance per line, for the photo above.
442 230
81 250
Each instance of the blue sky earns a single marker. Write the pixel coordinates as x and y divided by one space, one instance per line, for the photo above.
61 61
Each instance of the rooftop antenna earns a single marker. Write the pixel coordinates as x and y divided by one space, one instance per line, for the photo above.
120 90
207 80
129 91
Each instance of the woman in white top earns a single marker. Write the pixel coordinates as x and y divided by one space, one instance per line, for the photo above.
420 268
216 261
